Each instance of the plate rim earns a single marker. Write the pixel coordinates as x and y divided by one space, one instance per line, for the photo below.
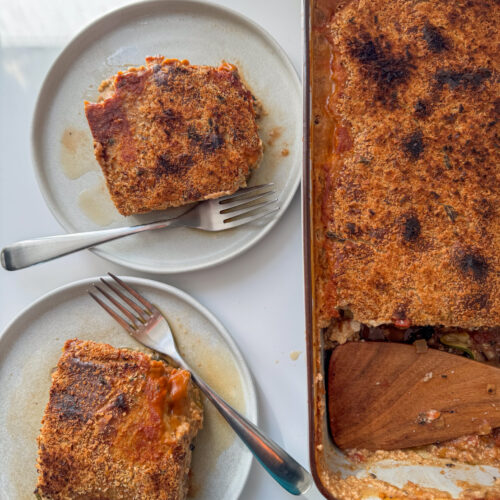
36 123
247 377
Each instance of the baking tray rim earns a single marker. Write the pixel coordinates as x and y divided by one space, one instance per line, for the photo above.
307 240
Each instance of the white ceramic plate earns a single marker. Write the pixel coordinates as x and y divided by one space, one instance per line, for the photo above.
31 346
68 174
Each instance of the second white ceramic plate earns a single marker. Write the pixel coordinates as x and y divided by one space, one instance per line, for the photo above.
31 346
68 174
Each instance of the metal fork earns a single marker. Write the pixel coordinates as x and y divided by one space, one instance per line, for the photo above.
227 212
145 323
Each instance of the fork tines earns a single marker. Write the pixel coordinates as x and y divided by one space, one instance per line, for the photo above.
248 204
134 312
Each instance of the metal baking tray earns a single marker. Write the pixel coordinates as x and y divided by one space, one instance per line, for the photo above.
329 465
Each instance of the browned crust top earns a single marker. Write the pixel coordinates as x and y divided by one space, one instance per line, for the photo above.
111 428
409 201
171 133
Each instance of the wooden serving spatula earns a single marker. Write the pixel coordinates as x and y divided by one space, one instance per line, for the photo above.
387 396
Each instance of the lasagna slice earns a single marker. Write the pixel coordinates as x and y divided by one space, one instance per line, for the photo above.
170 133
410 198
118 425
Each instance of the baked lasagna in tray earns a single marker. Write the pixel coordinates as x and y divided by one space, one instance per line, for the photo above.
170 133
118 425
405 156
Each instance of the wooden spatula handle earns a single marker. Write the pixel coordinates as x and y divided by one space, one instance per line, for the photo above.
387 396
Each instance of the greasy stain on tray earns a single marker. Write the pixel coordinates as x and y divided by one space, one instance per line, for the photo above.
77 153
97 206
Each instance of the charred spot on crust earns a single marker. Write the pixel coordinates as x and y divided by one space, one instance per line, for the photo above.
474 264
178 453
400 313
68 406
169 115
179 69
208 143
121 402
484 208
496 108
334 236
434 39
414 144
465 79
351 228
380 64
192 193
193 135
422 108
477 301
169 119
450 212
58 477
166 165
377 233
80 402
411 228
163 77
212 142
450 118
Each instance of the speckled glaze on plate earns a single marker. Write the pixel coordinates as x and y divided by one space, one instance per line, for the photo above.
68 174
31 345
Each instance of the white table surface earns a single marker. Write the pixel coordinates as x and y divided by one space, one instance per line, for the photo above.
257 296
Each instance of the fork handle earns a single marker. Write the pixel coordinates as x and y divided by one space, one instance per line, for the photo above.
280 465
29 252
